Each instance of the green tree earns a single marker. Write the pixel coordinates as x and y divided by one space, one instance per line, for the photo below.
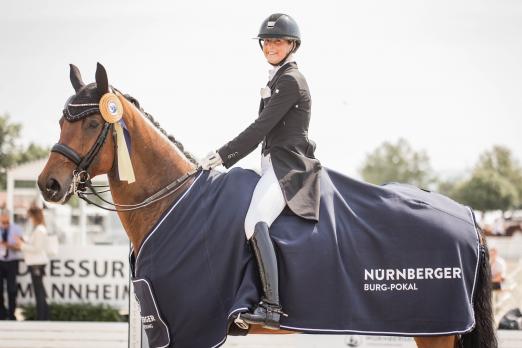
9 133
397 162
32 152
449 187
488 190
501 161
11 153
495 182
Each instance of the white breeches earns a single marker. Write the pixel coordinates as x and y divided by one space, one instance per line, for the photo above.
267 201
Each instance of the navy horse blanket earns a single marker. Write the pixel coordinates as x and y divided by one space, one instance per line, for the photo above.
389 260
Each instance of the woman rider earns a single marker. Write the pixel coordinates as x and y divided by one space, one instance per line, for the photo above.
290 172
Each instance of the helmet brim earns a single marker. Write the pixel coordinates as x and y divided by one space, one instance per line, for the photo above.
275 36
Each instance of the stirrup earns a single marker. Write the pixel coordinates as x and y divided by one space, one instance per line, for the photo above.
241 323
273 308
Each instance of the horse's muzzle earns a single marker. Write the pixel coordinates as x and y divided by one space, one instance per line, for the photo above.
52 190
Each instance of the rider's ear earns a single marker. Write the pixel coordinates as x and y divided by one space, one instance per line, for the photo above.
102 82
76 78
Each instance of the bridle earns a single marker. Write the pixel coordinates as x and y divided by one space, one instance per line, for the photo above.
81 178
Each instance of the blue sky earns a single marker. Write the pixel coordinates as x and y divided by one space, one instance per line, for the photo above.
445 75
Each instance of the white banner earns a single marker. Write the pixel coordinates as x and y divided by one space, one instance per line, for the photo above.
82 274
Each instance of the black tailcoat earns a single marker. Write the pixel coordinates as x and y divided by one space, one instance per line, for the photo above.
282 126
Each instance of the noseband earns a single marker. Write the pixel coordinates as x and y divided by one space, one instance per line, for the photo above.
82 164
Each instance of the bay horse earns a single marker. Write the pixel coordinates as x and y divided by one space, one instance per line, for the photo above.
163 171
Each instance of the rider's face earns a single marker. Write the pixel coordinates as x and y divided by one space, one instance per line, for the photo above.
276 49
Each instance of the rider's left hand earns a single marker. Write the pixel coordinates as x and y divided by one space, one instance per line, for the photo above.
212 160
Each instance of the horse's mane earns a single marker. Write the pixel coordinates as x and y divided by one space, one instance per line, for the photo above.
158 126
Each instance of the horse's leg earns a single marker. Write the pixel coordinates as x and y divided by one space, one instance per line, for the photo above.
436 342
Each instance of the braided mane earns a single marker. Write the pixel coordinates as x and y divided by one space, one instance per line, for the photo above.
158 126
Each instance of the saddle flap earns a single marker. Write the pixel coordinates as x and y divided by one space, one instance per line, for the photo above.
155 327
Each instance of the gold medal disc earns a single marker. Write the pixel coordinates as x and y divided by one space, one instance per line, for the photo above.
111 108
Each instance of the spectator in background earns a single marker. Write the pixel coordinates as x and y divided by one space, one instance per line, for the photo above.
34 248
498 269
498 227
9 259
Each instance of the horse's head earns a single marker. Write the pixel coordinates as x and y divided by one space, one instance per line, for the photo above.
86 147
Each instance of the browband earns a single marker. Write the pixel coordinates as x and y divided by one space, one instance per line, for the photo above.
73 112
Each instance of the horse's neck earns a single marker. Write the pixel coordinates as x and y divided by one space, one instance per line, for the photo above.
156 162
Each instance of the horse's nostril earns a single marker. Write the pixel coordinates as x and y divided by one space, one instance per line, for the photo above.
52 187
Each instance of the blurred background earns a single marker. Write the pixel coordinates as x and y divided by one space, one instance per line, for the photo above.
423 92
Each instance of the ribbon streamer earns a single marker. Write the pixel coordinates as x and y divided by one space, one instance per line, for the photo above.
125 170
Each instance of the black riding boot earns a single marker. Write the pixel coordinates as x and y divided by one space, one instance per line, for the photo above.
268 311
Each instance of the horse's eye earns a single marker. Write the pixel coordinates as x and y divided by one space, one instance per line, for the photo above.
93 124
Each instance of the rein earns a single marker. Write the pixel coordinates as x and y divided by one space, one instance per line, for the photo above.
81 177
163 193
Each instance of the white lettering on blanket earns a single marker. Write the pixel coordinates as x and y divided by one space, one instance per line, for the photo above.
405 274
390 287
148 321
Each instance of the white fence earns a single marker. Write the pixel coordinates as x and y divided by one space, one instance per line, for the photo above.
56 334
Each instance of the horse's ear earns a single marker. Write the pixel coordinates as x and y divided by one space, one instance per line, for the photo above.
76 77
102 82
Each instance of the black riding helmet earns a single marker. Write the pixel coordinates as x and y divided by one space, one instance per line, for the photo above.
280 26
